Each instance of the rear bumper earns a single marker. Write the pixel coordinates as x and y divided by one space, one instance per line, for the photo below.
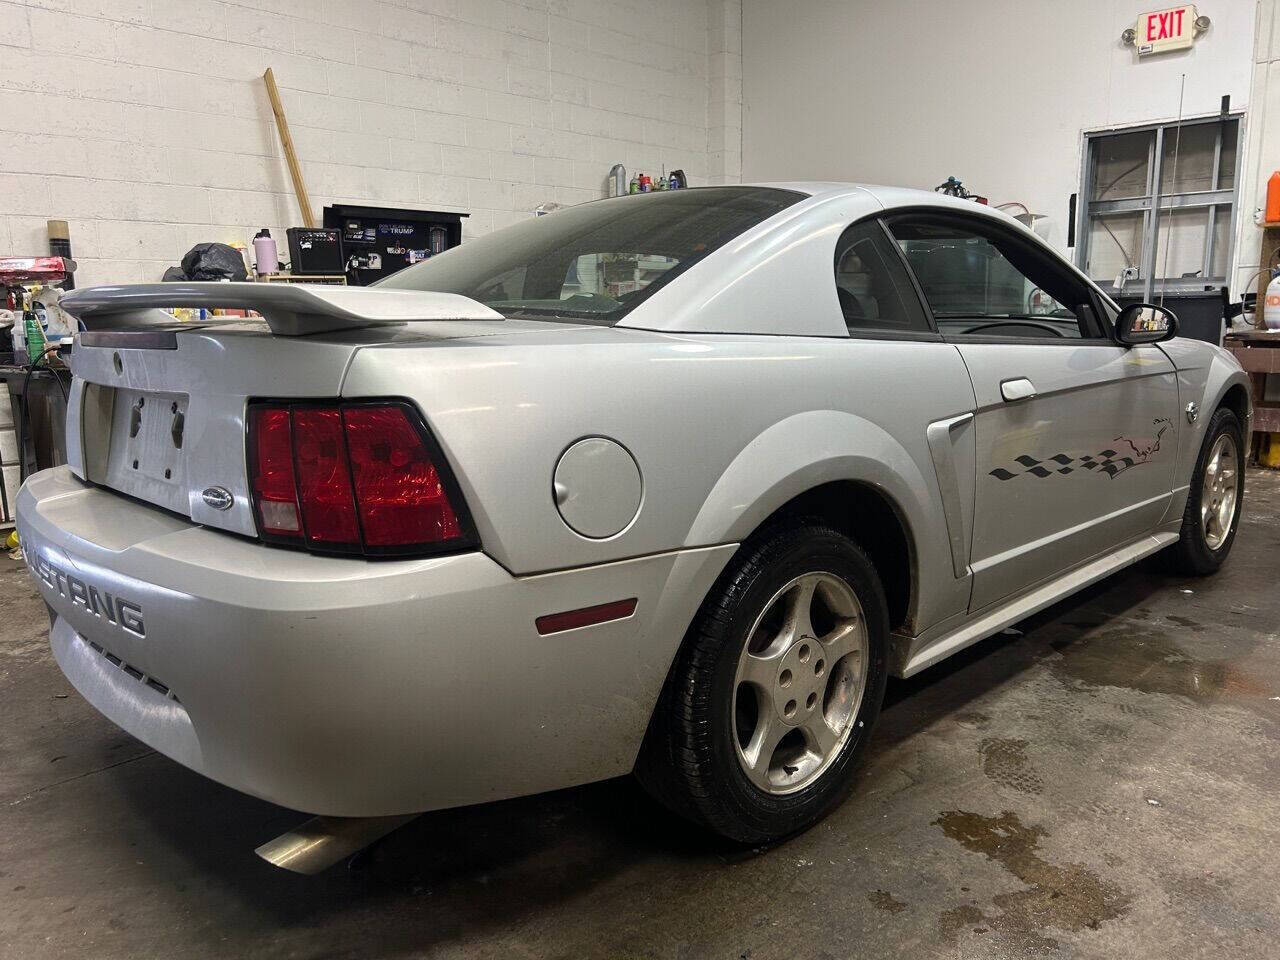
347 687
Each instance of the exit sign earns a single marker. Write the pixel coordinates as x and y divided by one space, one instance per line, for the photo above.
1162 30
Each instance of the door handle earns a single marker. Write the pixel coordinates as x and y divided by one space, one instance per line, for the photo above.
1019 389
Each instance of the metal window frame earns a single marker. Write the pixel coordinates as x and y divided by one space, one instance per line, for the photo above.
1153 205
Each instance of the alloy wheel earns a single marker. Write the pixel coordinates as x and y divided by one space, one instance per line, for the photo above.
800 682
1218 491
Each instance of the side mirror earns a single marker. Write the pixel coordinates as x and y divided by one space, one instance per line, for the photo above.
1145 323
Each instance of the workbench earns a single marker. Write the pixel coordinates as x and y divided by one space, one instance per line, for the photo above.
1259 353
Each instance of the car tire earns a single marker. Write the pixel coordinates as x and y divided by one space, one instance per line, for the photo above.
1203 545
747 659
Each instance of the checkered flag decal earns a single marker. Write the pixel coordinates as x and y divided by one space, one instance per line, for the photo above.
1105 461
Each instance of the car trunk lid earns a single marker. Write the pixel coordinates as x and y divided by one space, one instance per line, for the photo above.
158 407
165 425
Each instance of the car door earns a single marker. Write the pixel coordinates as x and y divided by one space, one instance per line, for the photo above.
1076 434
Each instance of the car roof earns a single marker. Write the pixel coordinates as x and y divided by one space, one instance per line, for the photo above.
777 277
890 197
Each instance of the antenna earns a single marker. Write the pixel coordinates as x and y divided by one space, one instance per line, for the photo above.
1177 145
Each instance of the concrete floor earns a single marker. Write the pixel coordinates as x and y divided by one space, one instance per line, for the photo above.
1100 783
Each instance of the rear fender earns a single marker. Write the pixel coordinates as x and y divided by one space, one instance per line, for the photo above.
819 447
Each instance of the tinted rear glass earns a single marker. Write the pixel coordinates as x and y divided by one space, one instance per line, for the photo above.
594 262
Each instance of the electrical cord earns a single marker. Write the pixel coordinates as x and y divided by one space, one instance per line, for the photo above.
1247 287
31 368
1128 260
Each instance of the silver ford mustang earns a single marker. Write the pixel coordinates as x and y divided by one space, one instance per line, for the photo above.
666 484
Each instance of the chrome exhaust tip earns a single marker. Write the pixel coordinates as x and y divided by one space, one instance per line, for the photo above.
321 842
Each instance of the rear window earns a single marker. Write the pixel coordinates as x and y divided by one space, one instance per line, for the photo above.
595 262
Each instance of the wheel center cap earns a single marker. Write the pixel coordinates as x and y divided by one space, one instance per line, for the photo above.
801 681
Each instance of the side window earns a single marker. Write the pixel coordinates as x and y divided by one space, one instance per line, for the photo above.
981 281
874 290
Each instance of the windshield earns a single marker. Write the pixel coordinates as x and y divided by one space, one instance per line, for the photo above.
594 262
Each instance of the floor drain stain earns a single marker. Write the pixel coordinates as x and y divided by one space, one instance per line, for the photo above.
1069 897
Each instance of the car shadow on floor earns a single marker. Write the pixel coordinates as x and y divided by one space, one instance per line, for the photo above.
950 685
512 858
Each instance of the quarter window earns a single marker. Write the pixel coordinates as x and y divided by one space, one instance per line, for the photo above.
872 286
594 262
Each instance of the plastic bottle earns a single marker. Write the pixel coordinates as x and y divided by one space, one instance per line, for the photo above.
1269 455
265 258
634 186
35 338
19 335
1271 303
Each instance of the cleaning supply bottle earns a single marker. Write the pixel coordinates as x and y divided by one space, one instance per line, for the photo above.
265 257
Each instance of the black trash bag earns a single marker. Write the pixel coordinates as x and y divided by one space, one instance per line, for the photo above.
210 261
174 275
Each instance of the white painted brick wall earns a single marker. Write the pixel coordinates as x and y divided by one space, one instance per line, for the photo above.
146 125
724 91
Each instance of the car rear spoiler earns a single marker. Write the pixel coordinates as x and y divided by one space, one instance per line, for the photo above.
290 310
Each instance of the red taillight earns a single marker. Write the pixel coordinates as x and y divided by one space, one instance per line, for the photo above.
351 478
402 498
324 480
274 485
